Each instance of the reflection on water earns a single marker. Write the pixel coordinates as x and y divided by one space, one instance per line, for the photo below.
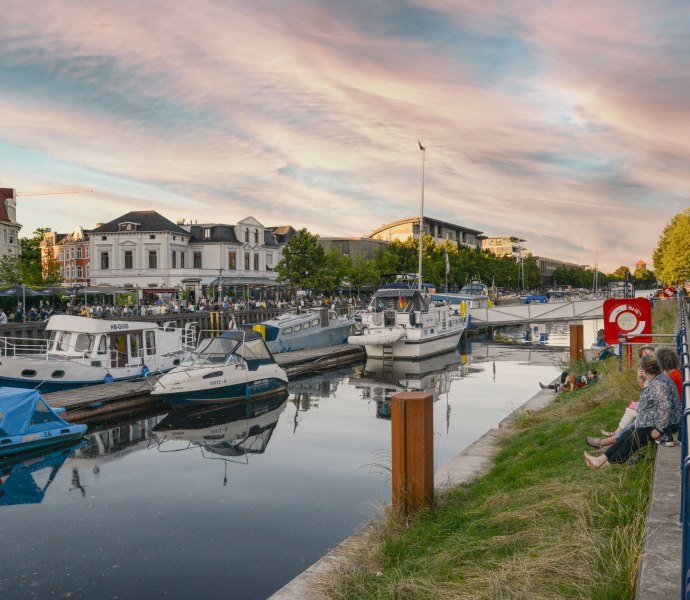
225 432
549 335
126 514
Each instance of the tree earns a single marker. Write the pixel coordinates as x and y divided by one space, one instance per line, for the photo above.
622 273
672 255
362 271
11 270
31 264
302 263
52 274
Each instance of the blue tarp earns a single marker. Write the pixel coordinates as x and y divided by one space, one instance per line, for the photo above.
25 411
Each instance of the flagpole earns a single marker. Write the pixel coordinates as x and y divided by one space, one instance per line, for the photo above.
421 220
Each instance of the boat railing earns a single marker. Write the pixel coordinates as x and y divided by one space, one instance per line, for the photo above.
11 346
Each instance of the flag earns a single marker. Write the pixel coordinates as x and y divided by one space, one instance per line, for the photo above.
447 264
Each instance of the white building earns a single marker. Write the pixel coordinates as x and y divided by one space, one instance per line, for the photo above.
9 228
144 250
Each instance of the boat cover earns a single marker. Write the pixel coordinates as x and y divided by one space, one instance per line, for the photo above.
383 337
25 411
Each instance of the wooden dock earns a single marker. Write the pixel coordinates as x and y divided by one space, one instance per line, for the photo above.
96 400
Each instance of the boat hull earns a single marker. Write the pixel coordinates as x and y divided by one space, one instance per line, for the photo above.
408 348
31 442
230 393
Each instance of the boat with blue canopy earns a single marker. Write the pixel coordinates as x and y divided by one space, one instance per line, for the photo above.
28 422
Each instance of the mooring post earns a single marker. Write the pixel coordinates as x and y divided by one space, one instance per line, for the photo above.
577 342
412 440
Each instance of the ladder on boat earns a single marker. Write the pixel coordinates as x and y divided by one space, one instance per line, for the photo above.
387 356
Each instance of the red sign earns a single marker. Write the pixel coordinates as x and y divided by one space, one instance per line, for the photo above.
628 316
669 292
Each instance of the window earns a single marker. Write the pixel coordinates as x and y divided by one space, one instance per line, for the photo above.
87 252
105 260
152 236
11 237
79 252
207 233
246 261
306 325
84 342
232 260
256 262
129 259
269 261
80 272
150 343
197 260
246 234
181 260
153 259
256 236
104 238
174 259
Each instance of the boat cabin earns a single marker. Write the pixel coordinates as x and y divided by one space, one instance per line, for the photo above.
230 347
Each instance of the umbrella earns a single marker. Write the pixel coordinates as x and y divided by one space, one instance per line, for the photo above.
18 292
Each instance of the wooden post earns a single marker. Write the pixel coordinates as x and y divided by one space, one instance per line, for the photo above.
412 440
577 342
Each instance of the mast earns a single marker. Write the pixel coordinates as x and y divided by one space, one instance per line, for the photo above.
421 221
596 263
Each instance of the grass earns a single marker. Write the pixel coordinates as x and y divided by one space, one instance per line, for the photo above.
539 525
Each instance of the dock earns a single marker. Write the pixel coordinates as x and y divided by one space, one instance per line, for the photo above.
96 400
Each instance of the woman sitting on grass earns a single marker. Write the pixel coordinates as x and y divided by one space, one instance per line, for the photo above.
658 411
570 382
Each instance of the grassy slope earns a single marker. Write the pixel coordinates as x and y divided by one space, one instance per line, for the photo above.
540 524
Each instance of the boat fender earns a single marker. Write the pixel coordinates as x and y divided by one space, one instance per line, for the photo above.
108 378
145 371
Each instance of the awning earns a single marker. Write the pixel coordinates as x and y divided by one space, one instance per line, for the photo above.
160 290
240 281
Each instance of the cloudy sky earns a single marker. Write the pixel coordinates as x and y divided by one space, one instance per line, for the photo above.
546 119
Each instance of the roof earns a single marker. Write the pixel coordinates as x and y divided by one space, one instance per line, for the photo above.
219 233
148 220
242 334
5 194
282 233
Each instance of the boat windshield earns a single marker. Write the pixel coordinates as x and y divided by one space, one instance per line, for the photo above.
474 290
213 351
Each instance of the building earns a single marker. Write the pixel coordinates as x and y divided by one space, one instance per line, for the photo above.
146 251
71 250
9 236
440 231
640 265
352 247
547 266
504 246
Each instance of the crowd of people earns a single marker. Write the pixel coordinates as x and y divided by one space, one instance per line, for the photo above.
103 310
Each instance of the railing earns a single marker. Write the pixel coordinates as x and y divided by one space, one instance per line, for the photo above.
684 353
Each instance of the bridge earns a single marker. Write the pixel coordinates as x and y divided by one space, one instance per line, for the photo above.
516 314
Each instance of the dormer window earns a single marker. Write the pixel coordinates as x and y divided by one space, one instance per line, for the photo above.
207 233
128 226
246 234
256 236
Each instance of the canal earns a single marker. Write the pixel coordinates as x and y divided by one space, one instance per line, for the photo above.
235 502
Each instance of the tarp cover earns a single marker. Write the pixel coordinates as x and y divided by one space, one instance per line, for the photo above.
25 411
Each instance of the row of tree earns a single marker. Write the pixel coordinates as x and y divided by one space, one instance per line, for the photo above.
306 265
29 269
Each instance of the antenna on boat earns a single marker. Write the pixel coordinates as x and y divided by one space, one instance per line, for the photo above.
596 263
421 220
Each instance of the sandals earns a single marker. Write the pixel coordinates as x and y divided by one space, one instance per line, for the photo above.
594 442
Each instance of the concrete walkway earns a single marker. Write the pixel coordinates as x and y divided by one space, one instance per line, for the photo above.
659 574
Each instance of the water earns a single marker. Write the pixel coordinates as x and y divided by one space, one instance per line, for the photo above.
129 517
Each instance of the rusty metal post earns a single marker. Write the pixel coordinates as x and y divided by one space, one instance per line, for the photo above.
577 342
412 439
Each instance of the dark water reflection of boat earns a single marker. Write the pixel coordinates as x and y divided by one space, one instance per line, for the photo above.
229 431
25 479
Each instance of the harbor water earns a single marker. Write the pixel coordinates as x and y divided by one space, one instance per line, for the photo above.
234 502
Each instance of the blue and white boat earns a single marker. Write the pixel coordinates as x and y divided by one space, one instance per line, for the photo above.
236 365
81 351
310 328
27 422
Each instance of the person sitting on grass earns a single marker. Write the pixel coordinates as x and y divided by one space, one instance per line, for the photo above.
570 382
657 412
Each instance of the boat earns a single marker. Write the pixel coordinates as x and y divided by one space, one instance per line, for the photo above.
82 351
28 422
236 365
407 324
310 328
231 430
402 322
472 295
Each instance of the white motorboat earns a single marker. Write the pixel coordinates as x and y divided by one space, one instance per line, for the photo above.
82 351
407 324
236 365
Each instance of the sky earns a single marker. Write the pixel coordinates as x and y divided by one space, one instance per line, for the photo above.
565 123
